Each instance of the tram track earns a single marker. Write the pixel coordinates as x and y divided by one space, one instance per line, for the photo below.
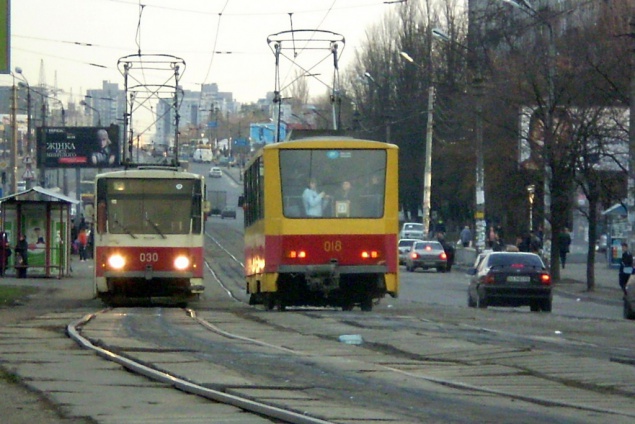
534 346
402 360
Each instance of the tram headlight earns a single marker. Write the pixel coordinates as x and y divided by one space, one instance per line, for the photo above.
181 262
116 261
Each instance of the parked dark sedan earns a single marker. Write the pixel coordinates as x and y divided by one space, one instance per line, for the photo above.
510 279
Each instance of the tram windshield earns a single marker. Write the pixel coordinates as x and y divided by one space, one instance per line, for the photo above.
148 206
333 183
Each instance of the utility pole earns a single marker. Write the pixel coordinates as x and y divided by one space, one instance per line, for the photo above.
630 201
14 140
427 176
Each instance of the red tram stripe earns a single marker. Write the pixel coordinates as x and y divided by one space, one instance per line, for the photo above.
321 249
160 258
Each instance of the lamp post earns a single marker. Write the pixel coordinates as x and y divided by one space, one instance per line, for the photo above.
479 186
427 170
14 141
83 103
548 110
531 190
370 78
18 70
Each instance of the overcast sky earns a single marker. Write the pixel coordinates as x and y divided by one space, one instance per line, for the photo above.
81 41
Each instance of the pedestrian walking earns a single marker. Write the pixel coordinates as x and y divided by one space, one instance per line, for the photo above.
626 266
564 242
466 236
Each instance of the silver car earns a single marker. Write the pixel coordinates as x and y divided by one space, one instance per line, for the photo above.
427 254
404 247
215 172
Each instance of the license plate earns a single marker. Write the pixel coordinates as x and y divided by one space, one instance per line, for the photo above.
519 278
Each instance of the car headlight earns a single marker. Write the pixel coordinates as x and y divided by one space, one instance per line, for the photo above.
116 261
181 262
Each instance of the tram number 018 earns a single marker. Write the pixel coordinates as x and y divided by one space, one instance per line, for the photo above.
148 257
333 246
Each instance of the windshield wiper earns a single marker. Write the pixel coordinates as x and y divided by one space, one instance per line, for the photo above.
124 228
156 227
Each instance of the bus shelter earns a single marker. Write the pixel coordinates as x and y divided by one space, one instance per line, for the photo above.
44 216
617 228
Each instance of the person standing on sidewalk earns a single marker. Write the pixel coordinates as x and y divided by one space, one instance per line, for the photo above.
82 240
21 256
564 242
626 266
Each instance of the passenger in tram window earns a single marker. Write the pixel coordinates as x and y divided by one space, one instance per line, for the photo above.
314 201
346 201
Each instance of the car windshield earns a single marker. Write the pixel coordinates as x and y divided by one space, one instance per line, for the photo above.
505 260
415 227
405 243
428 245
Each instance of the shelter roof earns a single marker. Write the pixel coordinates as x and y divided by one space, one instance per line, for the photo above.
616 209
38 194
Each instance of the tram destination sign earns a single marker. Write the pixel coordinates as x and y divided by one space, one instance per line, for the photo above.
78 147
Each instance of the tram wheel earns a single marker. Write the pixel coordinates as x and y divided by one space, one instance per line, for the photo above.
367 304
269 301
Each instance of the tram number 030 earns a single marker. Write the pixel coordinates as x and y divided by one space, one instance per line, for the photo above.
148 257
333 246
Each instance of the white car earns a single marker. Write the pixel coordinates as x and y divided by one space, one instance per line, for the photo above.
412 230
215 172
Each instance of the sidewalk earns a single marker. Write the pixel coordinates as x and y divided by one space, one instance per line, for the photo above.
573 281
82 273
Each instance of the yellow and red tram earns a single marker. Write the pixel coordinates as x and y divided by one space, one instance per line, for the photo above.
321 223
149 233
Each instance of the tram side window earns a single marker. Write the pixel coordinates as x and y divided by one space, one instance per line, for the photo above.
254 193
324 183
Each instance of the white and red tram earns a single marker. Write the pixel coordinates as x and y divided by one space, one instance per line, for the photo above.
149 229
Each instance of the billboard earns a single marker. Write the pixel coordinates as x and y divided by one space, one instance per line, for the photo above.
265 133
78 147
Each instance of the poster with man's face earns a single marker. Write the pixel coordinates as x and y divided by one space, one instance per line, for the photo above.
78 147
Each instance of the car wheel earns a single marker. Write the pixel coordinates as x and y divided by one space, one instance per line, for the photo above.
409 268
481 302
440 269
534 307
546 305
471 303
628 311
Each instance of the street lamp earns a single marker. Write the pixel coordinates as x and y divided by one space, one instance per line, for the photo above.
531 190
479 186
548 112
386 115
18 70
427 170
83 103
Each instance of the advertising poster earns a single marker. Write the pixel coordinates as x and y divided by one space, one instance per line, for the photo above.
78 147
